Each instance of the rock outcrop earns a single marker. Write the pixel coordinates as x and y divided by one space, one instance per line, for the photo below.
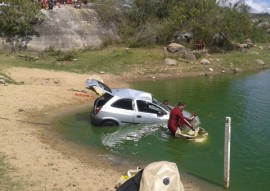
67 28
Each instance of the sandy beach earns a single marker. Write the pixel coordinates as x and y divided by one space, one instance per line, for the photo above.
41 162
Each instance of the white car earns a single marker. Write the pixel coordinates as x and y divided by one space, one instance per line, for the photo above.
120 106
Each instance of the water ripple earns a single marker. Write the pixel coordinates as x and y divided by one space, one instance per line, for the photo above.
130 133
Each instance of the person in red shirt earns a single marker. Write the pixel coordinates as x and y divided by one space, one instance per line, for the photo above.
178 121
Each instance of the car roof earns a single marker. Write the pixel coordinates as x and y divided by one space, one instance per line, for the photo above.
132 93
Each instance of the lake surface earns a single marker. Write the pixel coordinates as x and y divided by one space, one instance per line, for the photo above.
244 97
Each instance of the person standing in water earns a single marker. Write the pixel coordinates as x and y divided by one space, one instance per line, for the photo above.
177 121
166 105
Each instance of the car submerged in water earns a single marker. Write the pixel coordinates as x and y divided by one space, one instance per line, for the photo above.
120 106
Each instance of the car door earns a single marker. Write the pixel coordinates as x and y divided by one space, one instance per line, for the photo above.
147 112
123 110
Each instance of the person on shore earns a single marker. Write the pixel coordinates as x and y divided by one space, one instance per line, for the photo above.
177 121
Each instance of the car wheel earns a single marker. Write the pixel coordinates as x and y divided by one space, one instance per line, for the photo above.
109 123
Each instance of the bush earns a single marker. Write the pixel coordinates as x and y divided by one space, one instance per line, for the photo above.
60 56
67 56
51 51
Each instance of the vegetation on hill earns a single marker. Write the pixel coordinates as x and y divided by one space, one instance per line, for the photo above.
17 20
144 22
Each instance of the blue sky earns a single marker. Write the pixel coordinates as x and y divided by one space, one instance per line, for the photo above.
257 6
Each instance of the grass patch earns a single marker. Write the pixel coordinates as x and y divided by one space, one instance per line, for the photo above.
6 183
112 60
10 80
244 60
120 60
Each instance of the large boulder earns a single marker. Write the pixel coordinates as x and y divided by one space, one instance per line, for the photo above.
260 62
189 55
205 61
170 62
219 39
174 47
241 46
183 37
67 28
237 70
249 43
264 25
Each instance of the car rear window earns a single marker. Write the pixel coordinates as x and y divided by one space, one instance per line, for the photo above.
123 104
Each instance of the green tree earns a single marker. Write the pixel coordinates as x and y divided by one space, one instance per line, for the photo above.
144 22
17 21
197 16
203 18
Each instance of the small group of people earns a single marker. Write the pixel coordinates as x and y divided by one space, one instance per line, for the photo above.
199 45
49 4
178 122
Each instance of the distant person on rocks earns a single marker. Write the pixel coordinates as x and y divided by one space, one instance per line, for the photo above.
177 121
77 4
44 4
50 4
58 2
200 45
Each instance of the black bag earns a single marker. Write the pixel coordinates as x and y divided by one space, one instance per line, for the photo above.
132 184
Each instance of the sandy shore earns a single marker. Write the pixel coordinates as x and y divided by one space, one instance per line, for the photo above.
40 162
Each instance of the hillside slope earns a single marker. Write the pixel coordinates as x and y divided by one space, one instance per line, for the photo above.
67 28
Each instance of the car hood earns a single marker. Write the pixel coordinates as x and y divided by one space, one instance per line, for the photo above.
98 87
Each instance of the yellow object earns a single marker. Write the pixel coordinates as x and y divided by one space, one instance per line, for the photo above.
98 91
124 178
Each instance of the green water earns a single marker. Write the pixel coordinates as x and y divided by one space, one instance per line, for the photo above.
245 98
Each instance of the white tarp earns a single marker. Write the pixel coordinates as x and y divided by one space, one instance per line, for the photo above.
161 176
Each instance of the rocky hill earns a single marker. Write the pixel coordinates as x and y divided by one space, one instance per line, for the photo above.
68 28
